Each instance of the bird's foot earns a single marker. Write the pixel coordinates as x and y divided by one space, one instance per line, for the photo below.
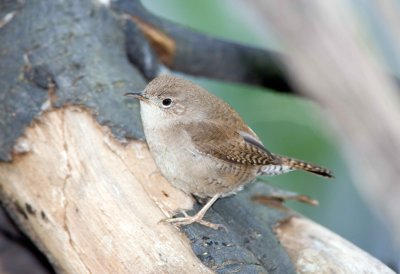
198 218
187 220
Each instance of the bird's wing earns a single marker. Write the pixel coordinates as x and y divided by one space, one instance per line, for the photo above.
224 143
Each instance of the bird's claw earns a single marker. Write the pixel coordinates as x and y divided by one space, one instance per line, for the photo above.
187 220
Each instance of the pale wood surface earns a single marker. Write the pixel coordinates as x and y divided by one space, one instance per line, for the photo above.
89 202
93 205
314 249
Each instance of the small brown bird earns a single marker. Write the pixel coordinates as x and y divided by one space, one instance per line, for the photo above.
202 146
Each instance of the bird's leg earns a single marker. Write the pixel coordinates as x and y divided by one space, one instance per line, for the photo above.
198 218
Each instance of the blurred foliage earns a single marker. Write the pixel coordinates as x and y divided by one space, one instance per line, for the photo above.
287 125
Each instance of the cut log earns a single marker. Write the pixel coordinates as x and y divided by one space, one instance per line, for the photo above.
78 181
94 205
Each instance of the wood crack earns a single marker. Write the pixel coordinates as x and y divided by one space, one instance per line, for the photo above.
65 201
128 169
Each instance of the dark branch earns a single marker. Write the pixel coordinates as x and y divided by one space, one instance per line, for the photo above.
18 253
191 52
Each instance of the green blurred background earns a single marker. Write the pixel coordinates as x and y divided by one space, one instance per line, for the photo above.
288 125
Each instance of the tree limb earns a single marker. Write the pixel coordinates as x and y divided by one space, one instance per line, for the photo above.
192 52
73 178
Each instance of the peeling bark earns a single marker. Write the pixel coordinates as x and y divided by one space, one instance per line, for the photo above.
74 197
76 178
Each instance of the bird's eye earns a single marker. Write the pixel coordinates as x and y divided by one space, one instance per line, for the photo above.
167 102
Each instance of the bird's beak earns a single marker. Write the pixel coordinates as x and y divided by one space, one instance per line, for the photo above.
138 95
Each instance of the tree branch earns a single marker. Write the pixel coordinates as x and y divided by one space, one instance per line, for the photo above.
87 194
194 53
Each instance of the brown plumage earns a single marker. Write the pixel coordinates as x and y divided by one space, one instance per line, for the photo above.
202 145
226 144
301 165
229 145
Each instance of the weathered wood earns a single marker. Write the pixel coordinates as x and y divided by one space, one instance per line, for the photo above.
73 178
314 249
92 204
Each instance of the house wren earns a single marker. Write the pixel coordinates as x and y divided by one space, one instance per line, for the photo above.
202 146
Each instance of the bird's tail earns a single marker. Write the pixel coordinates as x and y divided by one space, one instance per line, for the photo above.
301 165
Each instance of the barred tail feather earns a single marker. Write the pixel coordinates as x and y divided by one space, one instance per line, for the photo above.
272 170
301 165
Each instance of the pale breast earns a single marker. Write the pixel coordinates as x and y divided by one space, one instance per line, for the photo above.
184 166
191 171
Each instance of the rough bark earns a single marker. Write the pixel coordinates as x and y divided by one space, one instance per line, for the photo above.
77 181
93 205
62 189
